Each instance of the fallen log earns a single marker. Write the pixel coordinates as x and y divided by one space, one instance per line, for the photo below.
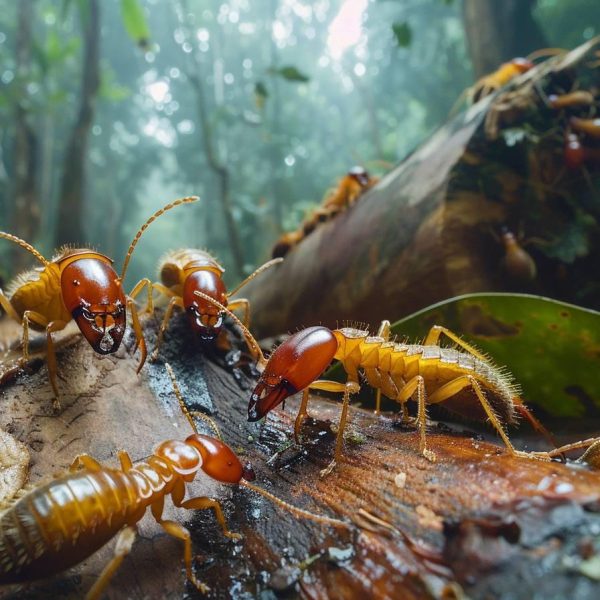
474 522
431 229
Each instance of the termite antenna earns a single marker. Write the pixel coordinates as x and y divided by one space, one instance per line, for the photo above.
250 340
25 245
250 277
294 509
145 226
574 446
184 408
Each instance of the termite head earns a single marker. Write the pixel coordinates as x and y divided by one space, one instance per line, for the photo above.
93 294
522 64
295 364
205 318
218 460
360 175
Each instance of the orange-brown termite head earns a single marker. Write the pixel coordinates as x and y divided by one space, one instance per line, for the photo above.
219 460
295 364
93 294
574 152
205 318
522 64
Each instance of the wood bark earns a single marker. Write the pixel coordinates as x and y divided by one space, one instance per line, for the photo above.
476 521
73 190
430 229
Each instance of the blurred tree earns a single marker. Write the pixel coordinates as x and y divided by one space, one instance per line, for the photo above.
73 183
499 31
26 215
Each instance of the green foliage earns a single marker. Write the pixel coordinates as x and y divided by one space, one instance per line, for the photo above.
110 89
289 73
550 347
403 34
135 22
574 241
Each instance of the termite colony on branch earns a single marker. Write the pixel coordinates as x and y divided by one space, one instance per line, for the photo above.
57 524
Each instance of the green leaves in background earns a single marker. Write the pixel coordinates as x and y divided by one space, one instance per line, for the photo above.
135 22
552 348
403 34
289 73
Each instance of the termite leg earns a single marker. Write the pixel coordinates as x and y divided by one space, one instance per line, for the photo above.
124 460
202 503
85 461
180 532
8 308
51 357
433 338
30 315
122 549
175 301
139 286
382 332
456 385
417 384
321 384
139 335
244 304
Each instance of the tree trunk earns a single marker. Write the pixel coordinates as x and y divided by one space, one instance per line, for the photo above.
500 31
71 203
26 217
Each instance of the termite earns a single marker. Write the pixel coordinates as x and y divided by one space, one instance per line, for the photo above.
590 127
182 272
574 152
58 524
517 262
505 73
350 187
574 99
79 284
465 380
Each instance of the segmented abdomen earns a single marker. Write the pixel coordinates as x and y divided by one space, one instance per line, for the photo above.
59 524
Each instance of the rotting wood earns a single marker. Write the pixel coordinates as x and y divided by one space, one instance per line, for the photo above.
476 519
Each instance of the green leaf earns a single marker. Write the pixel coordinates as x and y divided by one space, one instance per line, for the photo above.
135 22
403 34
289 73
260 89
552 348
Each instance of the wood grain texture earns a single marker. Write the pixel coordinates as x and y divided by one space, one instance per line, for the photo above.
476 519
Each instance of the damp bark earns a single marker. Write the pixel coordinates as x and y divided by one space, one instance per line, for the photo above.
476 521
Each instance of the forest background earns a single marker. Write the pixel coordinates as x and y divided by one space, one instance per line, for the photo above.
109 109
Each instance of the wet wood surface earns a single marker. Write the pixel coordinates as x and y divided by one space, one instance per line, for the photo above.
475 522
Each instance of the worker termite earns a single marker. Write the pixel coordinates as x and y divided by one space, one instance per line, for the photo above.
465 380
349 189
574 99
181 273
591 127
505 73
79 284
58 524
